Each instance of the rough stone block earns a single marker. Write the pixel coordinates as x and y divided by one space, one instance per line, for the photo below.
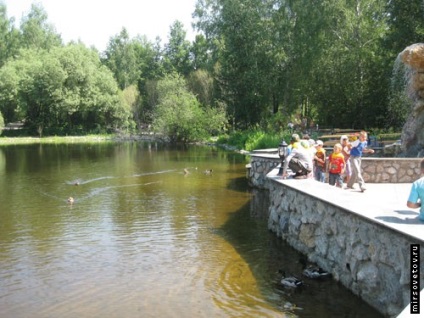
306 235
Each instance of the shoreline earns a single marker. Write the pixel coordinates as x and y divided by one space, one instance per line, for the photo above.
90 139
76 139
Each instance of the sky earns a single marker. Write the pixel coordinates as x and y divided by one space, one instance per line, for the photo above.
94 22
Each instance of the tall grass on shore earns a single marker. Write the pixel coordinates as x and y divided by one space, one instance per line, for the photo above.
257 139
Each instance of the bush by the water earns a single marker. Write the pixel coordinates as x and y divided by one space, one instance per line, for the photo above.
256 139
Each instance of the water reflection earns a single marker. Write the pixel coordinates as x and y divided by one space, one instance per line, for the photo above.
144 239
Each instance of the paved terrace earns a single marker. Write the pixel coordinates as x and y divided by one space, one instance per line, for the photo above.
383 203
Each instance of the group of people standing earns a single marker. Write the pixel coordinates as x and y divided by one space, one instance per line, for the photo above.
308 158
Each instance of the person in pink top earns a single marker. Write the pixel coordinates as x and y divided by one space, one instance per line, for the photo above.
344 141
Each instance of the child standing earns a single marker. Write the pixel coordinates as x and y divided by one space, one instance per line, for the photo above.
336 166
319 160
357 148
344 141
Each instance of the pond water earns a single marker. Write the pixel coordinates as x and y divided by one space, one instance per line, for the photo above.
145 239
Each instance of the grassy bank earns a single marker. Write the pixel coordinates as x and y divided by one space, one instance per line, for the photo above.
56 139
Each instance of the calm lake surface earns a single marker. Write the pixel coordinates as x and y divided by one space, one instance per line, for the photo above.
143 239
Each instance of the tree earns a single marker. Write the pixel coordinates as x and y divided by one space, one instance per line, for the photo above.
348 75
61 90
36 32
131 98
405 27
179 115
177 50
150 64
405 24
90 94
201 84
323 60
121 58
9 37
200 54
242 38
9 87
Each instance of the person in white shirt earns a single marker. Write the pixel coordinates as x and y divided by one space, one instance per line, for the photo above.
299 161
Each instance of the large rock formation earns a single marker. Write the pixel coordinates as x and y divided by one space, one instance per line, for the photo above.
413 130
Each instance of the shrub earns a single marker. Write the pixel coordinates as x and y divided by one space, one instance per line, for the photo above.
180 117
252 140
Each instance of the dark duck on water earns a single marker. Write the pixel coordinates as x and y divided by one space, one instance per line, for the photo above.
313 271
290 281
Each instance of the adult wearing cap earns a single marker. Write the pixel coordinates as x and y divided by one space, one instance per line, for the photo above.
294 141
299 160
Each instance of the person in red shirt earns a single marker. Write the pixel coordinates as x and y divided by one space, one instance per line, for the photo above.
336 166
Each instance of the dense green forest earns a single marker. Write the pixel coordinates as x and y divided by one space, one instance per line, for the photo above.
254 64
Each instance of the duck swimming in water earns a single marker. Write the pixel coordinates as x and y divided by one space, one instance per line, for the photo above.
313 271
208 172
70 200
76 182
290 281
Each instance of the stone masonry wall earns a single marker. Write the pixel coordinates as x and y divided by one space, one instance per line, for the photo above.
259 167
370 260
390 170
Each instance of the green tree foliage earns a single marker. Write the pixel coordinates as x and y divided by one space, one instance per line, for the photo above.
179 115
251 55
149 59
122 59
405 27
132 100
36 32
9 36
9 86
200 54
260 62
405 24
177 51
201 84
348 71
322 60
136 62
65 88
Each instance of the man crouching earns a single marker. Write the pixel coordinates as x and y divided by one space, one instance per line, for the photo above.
299 160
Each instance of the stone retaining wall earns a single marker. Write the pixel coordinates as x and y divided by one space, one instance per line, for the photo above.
260 166
369 259
374 170
391 170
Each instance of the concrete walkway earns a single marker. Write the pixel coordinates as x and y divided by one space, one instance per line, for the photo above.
382 202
